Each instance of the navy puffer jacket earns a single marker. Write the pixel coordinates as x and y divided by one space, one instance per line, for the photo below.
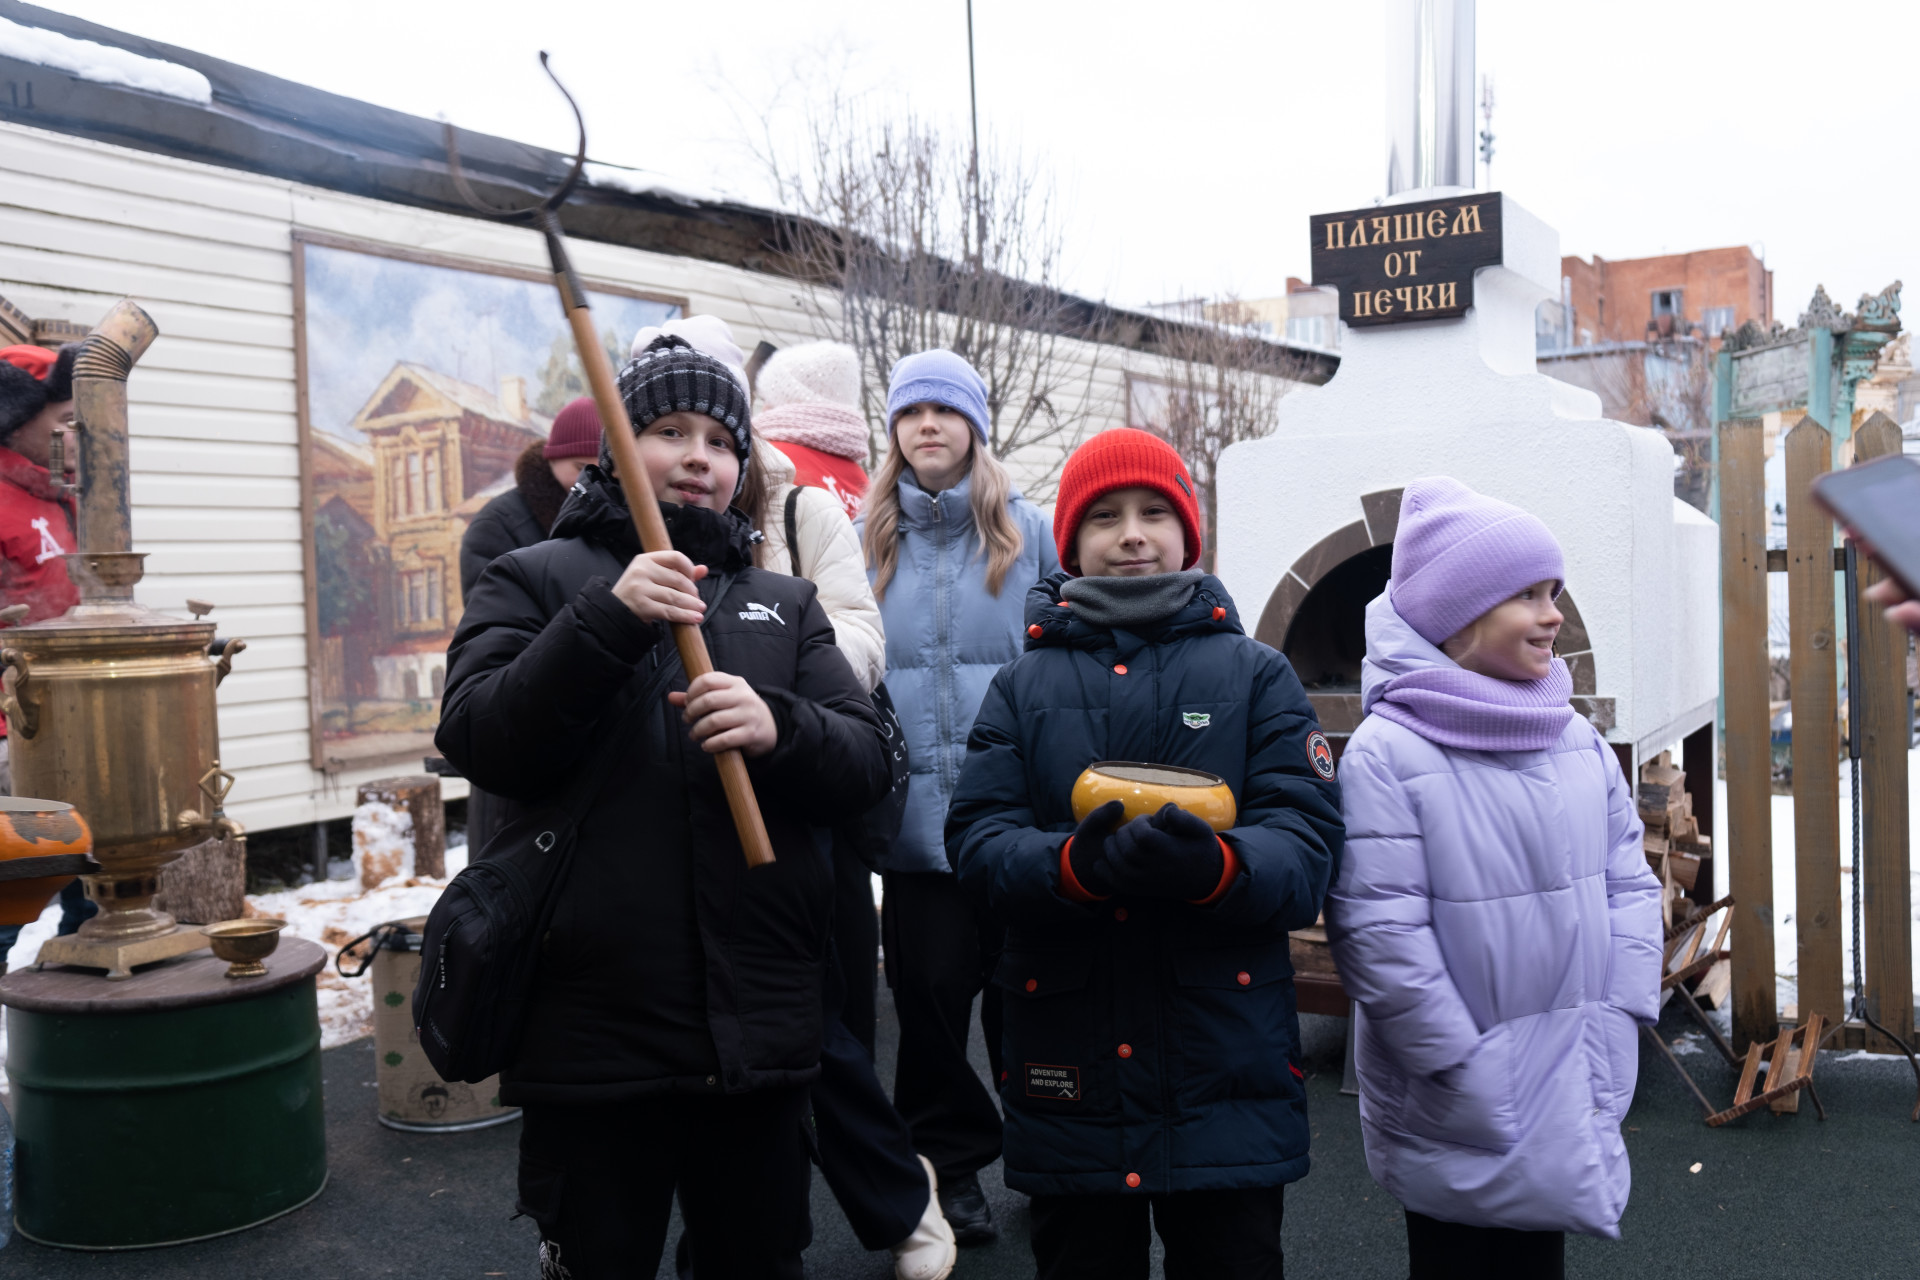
1146 1036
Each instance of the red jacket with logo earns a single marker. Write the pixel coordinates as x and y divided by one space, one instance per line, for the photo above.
838 476
35 533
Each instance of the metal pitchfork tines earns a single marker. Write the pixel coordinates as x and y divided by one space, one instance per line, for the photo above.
631 472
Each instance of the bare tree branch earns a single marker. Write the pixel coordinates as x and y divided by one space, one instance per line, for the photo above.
1219 382
905 251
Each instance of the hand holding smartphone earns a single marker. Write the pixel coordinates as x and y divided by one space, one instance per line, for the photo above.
1878 503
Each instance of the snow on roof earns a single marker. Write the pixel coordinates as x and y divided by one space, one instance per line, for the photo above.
103 64
644 182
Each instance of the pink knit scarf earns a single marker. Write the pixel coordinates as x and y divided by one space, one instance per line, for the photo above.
830 428
1472 712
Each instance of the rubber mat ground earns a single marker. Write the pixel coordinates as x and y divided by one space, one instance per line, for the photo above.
1775 1195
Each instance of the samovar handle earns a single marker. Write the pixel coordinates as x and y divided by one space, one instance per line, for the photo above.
23 714
227 649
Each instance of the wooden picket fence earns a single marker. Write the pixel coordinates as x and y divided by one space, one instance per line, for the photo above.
1879 706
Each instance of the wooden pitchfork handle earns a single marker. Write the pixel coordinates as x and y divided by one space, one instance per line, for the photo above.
632 474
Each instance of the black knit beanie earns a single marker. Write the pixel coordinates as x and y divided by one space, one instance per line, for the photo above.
670 376
22 395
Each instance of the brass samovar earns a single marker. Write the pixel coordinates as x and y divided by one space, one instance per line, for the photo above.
110 706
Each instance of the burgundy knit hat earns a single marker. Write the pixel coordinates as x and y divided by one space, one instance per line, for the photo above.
1123 458
576 431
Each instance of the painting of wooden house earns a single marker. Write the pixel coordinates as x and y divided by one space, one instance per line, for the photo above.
389 517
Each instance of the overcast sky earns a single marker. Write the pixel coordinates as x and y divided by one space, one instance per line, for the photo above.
1191 141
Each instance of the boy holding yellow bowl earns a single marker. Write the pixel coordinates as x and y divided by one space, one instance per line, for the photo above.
1151 1045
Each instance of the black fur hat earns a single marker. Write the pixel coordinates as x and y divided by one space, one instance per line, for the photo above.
22 395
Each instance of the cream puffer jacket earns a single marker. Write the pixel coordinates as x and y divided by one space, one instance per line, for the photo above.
831 559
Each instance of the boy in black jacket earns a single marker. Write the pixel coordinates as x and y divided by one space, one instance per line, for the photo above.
676 1018
1151 1045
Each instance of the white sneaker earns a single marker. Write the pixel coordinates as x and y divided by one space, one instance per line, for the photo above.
929 1253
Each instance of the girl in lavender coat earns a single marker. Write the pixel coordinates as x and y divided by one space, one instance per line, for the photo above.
1494 917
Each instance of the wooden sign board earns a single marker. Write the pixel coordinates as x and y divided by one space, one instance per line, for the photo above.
1404 262
1771 379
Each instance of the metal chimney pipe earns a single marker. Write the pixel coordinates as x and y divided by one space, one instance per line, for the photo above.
1429 94
105 566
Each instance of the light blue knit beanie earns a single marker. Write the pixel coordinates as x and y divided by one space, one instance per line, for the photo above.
938 377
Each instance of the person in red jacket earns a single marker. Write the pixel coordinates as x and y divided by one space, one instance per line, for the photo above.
810 397
36 528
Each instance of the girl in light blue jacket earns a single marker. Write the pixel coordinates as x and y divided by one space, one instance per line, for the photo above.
951 549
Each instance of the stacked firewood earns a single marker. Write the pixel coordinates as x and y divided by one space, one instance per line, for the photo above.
1673 843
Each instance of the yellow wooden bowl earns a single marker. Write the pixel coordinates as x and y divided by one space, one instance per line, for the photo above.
1144 788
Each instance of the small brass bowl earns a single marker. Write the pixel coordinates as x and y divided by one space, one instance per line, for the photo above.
1144 788
244 944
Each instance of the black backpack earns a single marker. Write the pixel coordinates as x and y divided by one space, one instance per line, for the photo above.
481 948
869 836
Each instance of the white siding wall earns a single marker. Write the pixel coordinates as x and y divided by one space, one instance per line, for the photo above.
215 448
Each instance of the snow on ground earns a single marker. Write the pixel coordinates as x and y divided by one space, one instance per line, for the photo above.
334 913
1785 937
101 63
330 912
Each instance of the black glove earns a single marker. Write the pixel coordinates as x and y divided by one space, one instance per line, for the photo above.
1087 855
1170 854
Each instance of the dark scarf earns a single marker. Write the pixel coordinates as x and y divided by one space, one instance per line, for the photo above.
538 489
596 510
1130 603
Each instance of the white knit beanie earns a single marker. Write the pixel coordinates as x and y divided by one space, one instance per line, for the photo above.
811 373
709 335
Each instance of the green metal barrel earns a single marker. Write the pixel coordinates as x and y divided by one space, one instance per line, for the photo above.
173 1106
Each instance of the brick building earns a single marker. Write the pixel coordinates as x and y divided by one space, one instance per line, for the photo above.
1711 291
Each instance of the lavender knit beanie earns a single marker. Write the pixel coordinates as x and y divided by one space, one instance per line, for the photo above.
1458 553
938 377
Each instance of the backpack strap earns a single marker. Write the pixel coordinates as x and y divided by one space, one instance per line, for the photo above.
793 527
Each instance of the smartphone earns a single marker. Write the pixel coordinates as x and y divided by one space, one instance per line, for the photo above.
1879 504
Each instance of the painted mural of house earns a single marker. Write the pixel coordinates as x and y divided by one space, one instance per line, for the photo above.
402 502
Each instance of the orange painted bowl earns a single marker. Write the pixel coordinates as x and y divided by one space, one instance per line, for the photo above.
32 828
1145 788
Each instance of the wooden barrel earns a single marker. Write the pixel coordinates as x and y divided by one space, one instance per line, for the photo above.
412 1095
172 1106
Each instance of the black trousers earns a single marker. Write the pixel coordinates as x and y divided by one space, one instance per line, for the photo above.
940 954
1209 1235
1453 1251
600 1180
856 944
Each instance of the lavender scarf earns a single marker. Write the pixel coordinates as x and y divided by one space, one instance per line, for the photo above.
1411 683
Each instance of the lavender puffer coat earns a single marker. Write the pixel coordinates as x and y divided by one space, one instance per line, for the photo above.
1496 922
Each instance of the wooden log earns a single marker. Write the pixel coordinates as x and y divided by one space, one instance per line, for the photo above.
419 796
1717 985
206 884
1880 711
1816 725
1748 845
1748 1070
1660 787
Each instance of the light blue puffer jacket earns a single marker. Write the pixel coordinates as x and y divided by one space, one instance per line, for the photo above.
946 637
1497 926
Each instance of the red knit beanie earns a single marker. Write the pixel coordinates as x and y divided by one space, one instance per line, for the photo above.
576 431
1124 458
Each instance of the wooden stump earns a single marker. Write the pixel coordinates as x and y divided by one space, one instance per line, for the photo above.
206 884
419 795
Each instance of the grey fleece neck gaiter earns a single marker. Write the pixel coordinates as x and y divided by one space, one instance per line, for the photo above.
1131 603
